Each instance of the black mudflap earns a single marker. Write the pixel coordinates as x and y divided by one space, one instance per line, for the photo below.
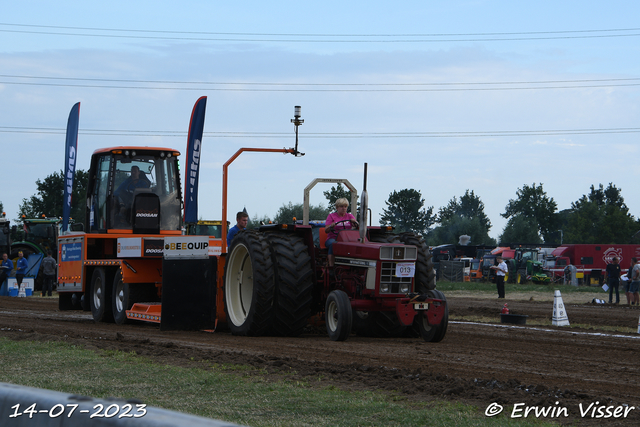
188 294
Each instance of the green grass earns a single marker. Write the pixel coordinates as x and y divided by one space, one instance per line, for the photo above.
232 393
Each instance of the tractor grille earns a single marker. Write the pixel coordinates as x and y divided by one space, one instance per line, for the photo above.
390 283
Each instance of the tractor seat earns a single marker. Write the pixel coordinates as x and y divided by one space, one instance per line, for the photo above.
323 238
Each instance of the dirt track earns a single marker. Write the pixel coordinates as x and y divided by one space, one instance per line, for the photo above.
475 363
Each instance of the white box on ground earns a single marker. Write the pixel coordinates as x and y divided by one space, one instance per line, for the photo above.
27 282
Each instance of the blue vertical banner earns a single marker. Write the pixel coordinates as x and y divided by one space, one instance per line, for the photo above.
70 156
194 145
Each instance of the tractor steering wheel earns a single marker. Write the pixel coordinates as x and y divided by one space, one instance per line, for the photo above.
132 185
352 221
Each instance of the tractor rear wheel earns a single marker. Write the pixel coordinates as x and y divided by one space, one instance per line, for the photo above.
521 278
338 315
101 296
364 323
293 276
379 324
425 277
434 333
249 286
388 325
386 238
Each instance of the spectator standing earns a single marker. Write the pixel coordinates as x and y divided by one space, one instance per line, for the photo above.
634 286
5 270
627 283
21 268
613 278
49 270
501 271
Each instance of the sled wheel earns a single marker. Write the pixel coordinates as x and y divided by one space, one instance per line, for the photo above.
100 296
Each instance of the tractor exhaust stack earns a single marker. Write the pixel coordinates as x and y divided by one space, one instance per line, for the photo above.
364 204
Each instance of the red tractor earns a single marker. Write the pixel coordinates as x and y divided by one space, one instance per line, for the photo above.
383 284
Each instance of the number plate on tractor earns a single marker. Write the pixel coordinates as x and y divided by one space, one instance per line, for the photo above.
405 269
421 306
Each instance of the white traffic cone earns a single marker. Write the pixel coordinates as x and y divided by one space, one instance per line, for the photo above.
21 292
560 317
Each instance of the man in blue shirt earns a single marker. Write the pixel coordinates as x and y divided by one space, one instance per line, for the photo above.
125 191
242 218
137 179
21 268
7 266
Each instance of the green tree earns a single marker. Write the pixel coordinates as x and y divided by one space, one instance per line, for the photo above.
405 211
255 221
337 192
534 204
520 229
48 200
470 206
465 216
286 213
450 230
601 217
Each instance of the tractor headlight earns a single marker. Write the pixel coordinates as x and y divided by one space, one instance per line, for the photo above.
384 288
404 288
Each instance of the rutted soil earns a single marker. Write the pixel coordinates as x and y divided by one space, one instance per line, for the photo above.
476 363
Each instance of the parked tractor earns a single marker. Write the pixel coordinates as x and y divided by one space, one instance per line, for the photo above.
5 234
40 236
383 284
524 266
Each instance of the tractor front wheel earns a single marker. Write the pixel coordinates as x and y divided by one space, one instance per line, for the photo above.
338 315
434 333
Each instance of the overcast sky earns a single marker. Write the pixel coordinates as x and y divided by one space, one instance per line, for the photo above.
438 96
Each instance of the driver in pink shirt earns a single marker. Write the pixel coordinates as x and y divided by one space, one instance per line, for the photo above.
337 221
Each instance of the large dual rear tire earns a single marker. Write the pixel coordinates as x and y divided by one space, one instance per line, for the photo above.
294 280
268 284
249 286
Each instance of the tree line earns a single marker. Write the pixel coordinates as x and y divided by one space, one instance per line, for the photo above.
601 216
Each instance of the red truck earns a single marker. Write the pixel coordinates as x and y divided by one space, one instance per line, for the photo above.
590 260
